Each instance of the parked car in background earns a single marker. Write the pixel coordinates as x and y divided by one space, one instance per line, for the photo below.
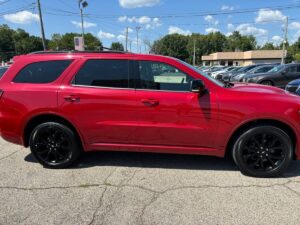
3 70
220 75
279 76
225 70
227 77
60 104
214 69
293 87
255 70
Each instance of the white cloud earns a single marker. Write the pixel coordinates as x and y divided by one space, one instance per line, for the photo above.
144 19
267 15
230 27
121 37
138 3
227 8
177 30
129 30
148 22
211 30
294 26
85 24
122 19
277 39
210 19
248 29
105 35
23 17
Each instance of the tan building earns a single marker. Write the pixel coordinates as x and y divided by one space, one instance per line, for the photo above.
243 58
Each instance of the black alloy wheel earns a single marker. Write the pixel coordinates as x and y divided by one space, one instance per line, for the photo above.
54 145
263 151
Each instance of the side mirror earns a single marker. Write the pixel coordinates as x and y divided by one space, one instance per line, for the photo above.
197 86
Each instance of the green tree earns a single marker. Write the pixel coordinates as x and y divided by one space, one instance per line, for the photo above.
25 43
7 43
174 45
238 42
117 46
66 41
269 46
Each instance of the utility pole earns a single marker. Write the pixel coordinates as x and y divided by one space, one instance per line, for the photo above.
82 4
126 42
42 25
137 38
284 40
194 58
130 42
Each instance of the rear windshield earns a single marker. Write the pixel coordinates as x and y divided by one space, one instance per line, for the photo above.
42 72
2 71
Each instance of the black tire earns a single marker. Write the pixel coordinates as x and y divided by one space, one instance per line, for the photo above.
267 83
54 145
263 151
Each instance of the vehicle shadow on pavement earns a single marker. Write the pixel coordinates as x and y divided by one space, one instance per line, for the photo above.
166 161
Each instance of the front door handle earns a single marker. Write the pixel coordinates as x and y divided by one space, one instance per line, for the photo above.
72 98
150 102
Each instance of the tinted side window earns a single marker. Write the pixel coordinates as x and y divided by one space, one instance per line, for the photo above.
42 72
161 76
292 69
104 73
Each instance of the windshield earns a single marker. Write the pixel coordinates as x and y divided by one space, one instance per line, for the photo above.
202 73
277 69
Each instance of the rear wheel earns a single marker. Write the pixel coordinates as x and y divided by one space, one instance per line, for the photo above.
263 151
54 145
267 82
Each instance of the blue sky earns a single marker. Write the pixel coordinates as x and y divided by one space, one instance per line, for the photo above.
108 19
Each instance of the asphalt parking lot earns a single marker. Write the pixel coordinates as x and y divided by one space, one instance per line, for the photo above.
138 188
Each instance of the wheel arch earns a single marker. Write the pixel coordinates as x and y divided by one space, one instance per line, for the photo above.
285 127
267 79
49 117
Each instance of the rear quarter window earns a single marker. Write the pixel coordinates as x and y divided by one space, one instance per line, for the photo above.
42 72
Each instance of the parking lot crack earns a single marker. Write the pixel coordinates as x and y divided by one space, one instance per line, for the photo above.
98 207
5 157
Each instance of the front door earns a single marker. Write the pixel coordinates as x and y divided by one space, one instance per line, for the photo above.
100 102
168 113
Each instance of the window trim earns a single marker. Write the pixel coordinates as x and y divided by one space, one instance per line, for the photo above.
138 77
130 69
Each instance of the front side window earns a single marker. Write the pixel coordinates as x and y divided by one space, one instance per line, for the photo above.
161 76
104 73
42 72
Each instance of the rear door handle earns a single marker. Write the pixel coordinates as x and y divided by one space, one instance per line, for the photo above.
72 98
150 102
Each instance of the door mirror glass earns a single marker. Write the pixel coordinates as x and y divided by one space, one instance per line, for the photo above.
198 86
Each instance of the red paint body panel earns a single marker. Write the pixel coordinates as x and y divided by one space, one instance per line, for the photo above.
118 119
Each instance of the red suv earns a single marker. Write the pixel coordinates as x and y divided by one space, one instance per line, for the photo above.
61 104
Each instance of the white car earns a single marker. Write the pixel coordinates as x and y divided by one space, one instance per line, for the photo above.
228 69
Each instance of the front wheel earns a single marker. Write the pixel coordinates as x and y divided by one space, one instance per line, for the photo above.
54 145
263 151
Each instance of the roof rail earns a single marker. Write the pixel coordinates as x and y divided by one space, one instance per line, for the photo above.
72 52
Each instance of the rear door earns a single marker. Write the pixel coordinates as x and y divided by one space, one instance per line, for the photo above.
100 101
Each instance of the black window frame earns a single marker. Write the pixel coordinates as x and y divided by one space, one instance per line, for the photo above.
137 76
44 61
131 81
